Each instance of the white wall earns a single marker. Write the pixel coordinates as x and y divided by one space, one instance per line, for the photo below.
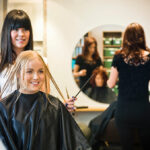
69 20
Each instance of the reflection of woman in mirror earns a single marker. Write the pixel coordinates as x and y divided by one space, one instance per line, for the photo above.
87 61
99 90
132 65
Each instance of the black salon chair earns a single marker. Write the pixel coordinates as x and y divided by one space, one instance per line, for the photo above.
110 139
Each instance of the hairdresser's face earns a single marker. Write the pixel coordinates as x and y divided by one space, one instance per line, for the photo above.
91 49
34 77
20 39
99 81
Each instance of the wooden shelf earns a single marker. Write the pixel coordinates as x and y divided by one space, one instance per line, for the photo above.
114 46
108 34
108 57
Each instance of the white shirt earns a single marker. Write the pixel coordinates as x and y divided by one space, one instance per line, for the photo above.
3 78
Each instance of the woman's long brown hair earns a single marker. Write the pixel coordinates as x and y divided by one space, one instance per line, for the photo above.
85 51
133 41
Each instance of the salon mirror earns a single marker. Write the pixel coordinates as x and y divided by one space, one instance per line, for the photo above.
88 70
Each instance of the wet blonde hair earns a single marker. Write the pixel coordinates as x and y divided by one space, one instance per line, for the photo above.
22 60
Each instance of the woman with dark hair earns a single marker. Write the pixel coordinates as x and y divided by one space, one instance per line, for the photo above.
99 90
87 61
16 37
16 21
132 65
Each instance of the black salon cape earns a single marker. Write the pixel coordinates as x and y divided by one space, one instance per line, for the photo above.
30 122
101 94
99 124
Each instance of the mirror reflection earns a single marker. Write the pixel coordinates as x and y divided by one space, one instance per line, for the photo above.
86 62
98 89
91 66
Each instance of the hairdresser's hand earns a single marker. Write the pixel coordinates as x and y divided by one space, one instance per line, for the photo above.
82 72
70 104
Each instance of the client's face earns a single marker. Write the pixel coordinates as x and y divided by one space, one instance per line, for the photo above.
34 77
99 80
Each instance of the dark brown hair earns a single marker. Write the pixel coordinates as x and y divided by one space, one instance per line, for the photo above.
102 72
133 41
88 42
13 20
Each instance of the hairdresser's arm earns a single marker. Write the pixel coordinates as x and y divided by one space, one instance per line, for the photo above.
113 77
78 73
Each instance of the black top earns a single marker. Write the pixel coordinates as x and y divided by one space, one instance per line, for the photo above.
30 122
133 107
101 94
89 66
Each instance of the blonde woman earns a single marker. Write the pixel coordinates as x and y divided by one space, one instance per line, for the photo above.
31 119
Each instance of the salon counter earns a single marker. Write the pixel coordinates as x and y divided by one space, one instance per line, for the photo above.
85 115
90 109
